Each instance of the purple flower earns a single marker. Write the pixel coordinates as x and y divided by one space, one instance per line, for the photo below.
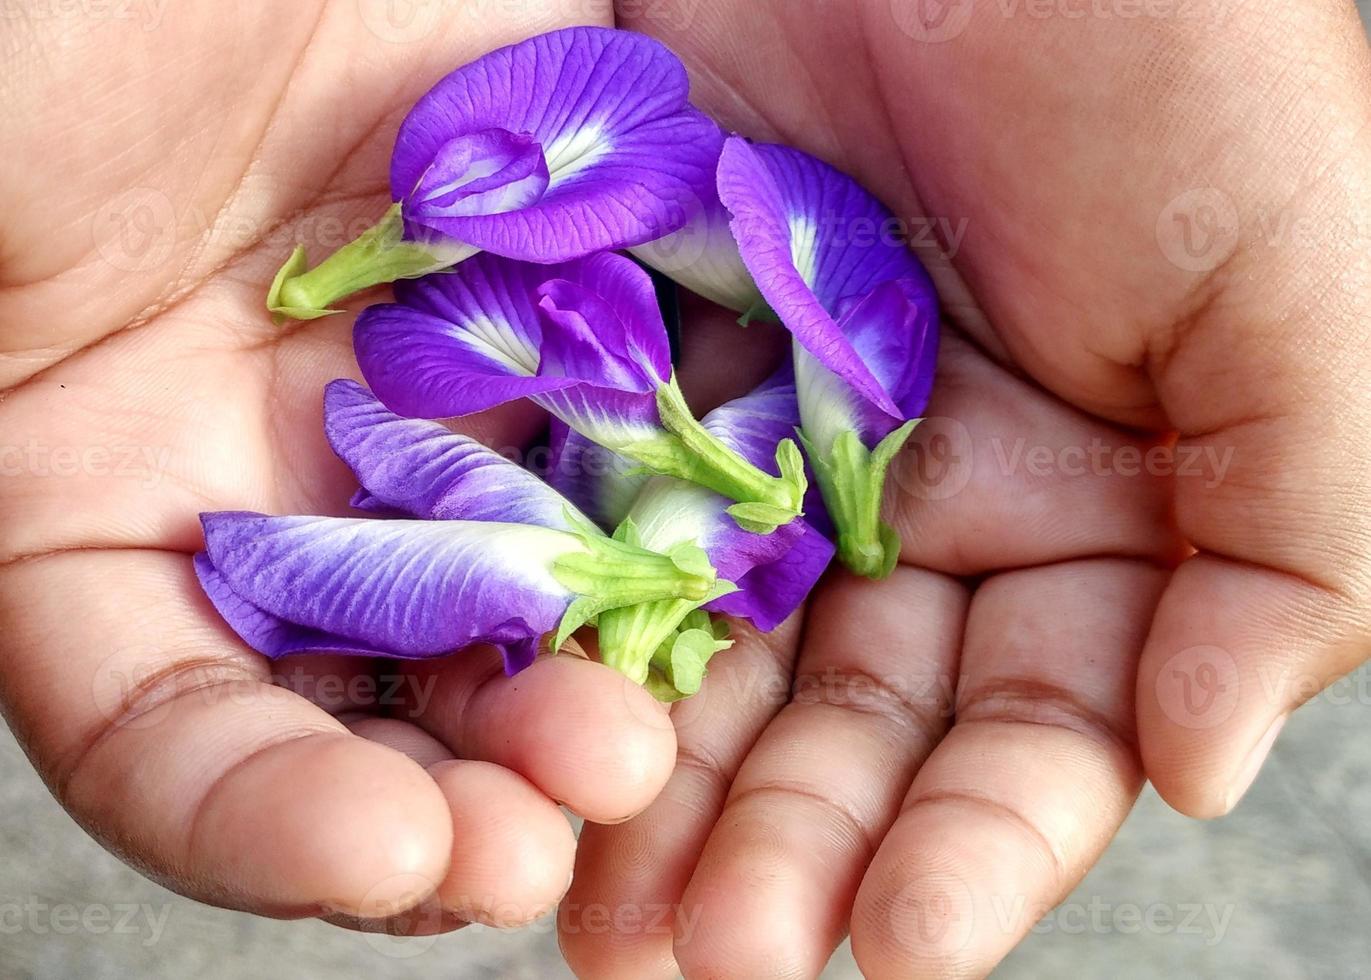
864 317
583 339
547 150
466 571
770 574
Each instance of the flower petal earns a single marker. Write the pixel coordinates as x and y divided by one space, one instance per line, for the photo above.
457 342
814 240
628 158
269 635
597 480
592 351
754 424
769 591
408 588
421 469
703 257
487 172
602 324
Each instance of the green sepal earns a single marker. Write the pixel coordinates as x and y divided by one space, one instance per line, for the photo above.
294 266
611 573
679 665
690 452
852 480
378 255
630 636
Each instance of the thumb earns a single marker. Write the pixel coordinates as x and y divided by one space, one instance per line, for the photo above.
1267 383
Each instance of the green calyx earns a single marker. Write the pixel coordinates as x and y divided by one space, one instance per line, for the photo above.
690 452
631 638
678 667
614 572
852 480
378 255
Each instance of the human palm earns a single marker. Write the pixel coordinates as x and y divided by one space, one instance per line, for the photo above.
972 729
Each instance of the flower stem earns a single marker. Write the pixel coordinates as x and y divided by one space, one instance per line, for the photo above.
852 480
694 454
611 573
378 255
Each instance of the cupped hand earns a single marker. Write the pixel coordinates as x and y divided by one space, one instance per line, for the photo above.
1136 527
149 196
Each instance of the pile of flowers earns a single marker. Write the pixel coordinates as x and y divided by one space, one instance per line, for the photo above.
520 182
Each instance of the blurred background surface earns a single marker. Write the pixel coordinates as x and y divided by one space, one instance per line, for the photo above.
1281 888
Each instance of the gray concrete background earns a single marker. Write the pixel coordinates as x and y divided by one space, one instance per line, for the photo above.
1281 888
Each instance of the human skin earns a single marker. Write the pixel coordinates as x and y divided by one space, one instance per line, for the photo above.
973 729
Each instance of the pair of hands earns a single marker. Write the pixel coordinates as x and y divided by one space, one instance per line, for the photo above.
1150 222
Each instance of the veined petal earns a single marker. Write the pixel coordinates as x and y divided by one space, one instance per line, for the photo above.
421 469
597 480
407 588
268 634
456 342
815 242
487 172
583 339
769 591
753 425
628 158
602 325
703 257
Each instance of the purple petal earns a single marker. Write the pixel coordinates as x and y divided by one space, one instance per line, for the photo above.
753 425
422 469
628 159
769 591
267 634
404 588
592 351
489 172
602 324
815 242
703 257
597 480
457 342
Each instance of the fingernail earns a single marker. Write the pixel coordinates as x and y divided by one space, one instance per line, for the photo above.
1252 765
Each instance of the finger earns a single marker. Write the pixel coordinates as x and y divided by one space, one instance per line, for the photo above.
407 739
512 849
776 880
619 918
582 733
1029 785
162 735
1002 475
1270 375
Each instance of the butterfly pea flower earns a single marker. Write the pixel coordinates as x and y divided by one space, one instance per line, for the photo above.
863 315
663 644
583 339
478 551
557 147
